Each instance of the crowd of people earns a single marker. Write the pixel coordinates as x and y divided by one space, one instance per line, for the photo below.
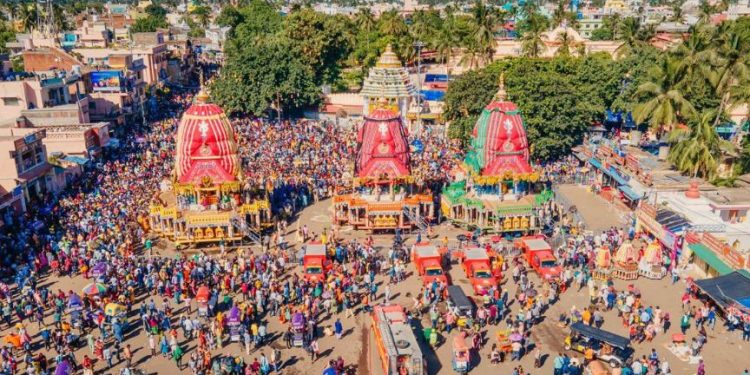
96 229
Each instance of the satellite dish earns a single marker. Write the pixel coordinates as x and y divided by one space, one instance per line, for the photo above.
402 344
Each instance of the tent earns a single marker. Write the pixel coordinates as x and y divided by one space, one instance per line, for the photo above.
728 290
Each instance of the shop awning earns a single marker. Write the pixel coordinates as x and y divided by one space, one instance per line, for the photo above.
615 176
708 256
596 163
76 159
730 289
630 193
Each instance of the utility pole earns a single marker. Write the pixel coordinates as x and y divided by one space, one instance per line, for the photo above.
418 45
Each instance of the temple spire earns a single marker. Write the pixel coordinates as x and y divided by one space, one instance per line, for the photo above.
501 94
202 96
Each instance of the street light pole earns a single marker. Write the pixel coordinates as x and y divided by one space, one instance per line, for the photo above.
418 45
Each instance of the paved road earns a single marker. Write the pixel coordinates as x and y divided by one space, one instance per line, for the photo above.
596 213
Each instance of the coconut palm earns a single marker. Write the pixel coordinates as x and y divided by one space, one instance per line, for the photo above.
627 31
471 56
565 42
661 101
731 63
694 56
443 43
392 24
28 15
485 21
698 148
532 44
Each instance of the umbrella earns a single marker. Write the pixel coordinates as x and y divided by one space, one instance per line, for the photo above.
515 337
328 371
496 239
114 309
100 269
94 289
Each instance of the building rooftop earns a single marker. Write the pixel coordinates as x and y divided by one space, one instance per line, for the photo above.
703 218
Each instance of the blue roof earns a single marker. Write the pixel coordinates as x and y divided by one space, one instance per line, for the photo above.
596 163
630 193
76 159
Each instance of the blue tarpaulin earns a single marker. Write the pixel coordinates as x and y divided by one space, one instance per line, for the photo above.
435 95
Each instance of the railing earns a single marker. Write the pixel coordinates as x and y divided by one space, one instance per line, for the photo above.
246 231
419 221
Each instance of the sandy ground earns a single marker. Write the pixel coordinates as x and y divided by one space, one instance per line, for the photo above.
724 354
598 214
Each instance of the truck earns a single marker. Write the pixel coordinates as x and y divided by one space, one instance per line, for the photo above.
476 264
539 256
396 342
428 261
314 262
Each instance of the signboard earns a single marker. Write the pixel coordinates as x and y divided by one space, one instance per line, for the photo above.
731 256
107 80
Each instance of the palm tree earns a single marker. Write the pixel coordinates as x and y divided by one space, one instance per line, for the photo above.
28 15
565 42
694 56
559 15
661 100
532 44
627 32
365 21
677 15
485 20
705 10
470 56
697 149
392 24
443 43
731 64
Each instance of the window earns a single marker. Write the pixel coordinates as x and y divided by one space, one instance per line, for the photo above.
11 101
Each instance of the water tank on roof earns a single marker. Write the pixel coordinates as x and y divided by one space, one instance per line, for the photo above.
76 69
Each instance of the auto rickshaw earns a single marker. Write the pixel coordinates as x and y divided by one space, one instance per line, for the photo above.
461 355
458 301
607 346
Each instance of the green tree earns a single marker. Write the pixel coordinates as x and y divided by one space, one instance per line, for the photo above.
632 34
607 29
229 16
202 15
28 16
7 34
661 100
697 149
148 24
264 75
485 20
155 10
731 65
322 42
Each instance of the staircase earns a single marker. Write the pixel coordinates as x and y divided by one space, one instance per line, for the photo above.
419 221
246 231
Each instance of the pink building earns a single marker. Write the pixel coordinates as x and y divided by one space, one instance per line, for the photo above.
49 92
24 170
